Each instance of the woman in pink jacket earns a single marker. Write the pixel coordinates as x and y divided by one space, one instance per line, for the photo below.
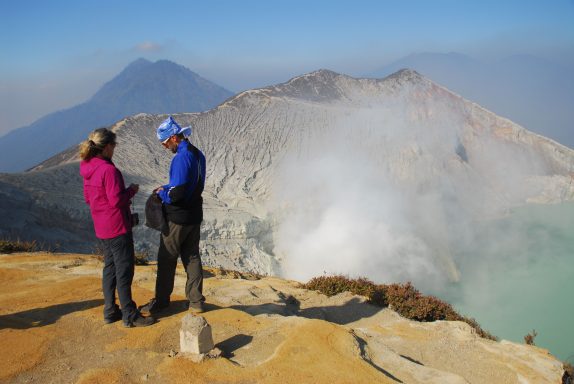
109 201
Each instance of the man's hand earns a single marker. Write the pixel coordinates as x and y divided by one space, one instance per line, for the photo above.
134 187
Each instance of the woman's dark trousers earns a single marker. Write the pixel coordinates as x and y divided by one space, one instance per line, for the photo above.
119 264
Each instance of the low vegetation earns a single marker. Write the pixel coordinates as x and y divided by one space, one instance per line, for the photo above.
529 338
568 377
11 246
405 299
141 257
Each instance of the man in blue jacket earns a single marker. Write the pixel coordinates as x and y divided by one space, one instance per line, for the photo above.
184 210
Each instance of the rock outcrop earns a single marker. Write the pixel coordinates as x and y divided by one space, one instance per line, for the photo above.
195 335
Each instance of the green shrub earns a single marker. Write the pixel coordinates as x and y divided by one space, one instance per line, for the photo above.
405 299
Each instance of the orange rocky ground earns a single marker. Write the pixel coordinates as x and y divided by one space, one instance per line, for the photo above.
269 330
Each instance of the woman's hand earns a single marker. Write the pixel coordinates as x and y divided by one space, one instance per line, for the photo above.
134 187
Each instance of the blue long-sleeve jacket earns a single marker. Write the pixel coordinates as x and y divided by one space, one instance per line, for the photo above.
182 196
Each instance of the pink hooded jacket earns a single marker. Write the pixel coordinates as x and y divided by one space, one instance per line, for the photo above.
107 196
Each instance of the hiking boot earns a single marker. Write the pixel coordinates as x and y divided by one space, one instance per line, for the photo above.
197 307
139 321
117 316
154 306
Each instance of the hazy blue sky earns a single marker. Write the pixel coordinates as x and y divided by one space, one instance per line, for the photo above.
56 54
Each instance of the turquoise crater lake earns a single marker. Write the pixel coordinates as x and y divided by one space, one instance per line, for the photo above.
520 277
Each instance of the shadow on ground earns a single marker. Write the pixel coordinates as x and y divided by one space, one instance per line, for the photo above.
349 312
232 344
180 306
40 317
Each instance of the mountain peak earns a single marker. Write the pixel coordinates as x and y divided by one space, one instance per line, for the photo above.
320 85
144 81
320 75
142 65
325 85
142 86
168 64
406 74
324 73
138 63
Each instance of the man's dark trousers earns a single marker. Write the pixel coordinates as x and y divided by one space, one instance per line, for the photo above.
182 240
119 264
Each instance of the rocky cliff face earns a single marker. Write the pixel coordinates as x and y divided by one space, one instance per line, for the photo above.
322 148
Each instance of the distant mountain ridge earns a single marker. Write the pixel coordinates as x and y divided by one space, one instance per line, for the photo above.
143 86
533 92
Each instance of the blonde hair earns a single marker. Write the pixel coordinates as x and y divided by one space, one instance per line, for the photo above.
97 141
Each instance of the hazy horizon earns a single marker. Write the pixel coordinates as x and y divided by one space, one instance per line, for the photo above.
49 65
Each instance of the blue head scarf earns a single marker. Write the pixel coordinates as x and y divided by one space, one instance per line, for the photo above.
169 128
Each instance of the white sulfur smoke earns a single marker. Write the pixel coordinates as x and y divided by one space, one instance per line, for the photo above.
390 194
341 221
